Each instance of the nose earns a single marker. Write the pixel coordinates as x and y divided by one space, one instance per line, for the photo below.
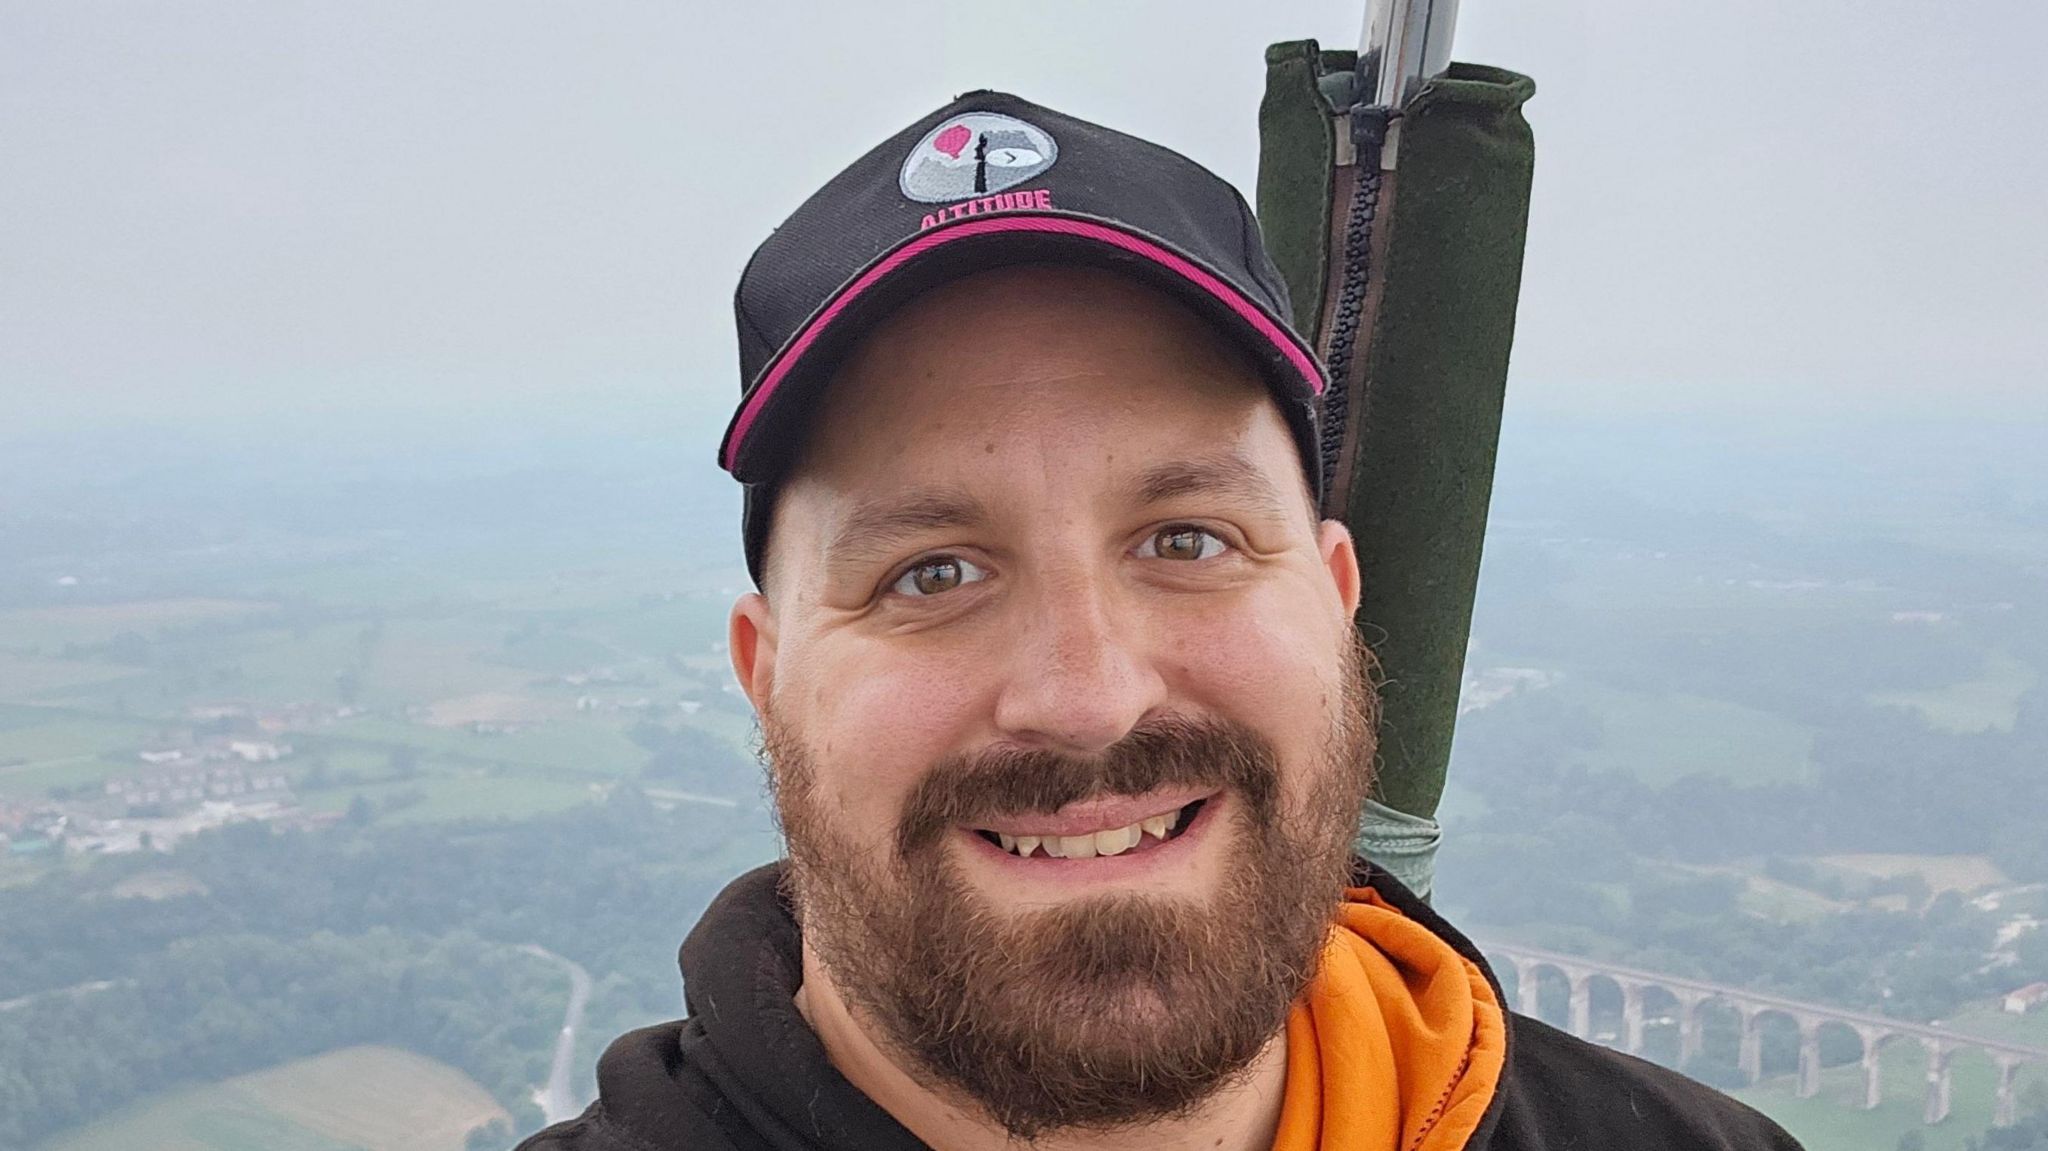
1080 676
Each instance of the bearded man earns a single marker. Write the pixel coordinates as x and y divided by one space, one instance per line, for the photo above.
1067 723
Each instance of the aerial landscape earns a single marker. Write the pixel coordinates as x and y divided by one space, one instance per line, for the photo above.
369 734
350 774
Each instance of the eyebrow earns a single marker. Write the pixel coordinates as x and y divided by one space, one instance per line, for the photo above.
875 529
1230 475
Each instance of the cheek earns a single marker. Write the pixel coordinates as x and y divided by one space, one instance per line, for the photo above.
876 720
1272 670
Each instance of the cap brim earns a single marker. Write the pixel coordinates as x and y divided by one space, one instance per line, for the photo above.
773 418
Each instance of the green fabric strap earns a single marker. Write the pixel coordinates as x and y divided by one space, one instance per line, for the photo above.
1455 204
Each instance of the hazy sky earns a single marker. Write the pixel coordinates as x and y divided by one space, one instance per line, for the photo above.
282 207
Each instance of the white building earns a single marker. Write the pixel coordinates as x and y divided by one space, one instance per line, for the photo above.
2026 998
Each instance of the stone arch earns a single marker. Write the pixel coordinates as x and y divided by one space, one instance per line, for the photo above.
1886 1041
1606 1000
1840 1044
1552 999
1889 1057
1963 1084
1661 1015
1771 1043
1716 1051
1507 972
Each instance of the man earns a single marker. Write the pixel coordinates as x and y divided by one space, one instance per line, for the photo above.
1067 725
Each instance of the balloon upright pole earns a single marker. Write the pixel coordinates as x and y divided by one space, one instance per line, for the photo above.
1404 42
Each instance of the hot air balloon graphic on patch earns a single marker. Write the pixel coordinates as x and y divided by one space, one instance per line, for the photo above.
973 154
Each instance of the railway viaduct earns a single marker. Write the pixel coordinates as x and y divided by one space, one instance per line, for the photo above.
1692 995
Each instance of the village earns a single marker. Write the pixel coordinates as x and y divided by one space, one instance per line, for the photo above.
225 766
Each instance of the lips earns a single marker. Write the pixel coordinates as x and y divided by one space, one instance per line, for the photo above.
1088 816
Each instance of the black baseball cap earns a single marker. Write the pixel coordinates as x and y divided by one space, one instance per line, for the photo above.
991 180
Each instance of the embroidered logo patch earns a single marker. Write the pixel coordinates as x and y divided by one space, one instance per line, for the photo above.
973 154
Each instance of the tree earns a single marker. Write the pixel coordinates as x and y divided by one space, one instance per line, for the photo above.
128 647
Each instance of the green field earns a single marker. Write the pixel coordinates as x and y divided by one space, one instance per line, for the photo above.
59 734
1660 738
470 794
1771 899
1990 701
45 749
577 747
427 674
50 628
358 1099
30 678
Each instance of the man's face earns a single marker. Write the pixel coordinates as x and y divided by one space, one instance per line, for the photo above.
1068 726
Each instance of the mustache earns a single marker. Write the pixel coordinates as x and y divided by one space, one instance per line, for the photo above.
1167 752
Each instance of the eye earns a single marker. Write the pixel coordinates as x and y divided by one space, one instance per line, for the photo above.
1182 542
938 574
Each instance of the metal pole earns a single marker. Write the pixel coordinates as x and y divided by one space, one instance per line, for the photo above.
1404 43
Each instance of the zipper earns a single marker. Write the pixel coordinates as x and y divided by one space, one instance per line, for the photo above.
1368 133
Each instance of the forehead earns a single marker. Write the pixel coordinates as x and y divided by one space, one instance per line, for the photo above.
1060 385
1005 359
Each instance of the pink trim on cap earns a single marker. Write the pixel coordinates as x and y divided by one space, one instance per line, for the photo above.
1057 225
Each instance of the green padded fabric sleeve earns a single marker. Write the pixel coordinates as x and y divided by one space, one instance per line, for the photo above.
1295 157
1435 369
1435 378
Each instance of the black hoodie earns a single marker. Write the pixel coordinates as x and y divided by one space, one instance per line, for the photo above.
745 1073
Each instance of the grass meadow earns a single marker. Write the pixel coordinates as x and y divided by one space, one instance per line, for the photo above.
355 1099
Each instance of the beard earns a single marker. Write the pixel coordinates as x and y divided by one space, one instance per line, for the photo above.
1104 1012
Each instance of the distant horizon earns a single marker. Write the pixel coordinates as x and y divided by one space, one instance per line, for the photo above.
27 416
1737 207
692 417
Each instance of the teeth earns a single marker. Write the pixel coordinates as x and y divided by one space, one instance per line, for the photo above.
1114 841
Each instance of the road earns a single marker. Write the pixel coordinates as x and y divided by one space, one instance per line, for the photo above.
557 1101
77 989
689 797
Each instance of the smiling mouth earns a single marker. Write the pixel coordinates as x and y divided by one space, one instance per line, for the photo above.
1134 837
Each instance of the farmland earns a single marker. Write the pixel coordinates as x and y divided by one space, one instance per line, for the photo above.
356 1099
422 711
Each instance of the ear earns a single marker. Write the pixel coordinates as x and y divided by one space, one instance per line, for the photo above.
1340 559
750 640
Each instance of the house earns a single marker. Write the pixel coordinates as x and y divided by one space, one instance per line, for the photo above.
256 750
2026 998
